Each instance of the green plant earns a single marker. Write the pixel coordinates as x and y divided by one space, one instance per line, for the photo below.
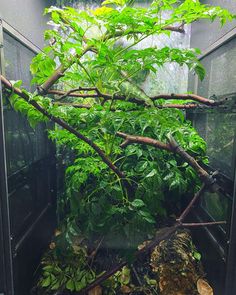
65 266
115 192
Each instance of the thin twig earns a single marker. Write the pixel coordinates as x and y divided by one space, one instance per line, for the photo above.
71 91
192 203
136 275
75 105
179 106
199 224
138 279
94 253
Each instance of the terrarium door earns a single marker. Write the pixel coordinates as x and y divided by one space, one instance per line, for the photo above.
28 178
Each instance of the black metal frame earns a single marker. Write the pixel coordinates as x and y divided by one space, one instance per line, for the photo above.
222 241
6 269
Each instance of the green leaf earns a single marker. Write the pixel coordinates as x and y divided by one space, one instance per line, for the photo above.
197 255
152 173
70 285
200 71
16 84
137 203
146 216
46 282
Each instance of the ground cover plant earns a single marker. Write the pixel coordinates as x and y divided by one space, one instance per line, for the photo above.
133 157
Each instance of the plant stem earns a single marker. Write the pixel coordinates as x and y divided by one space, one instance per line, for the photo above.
64 125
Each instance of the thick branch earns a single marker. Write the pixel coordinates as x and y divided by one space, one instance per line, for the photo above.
59 72
64 125
204 176
177 29
194 97
130 139
173 147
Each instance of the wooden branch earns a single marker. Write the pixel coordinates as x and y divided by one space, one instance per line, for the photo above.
74 93
81 95
59 72
199 224
194 97
79 89
88 106
173 147
131 139
203 174
177 29
179 106
64 125
192 203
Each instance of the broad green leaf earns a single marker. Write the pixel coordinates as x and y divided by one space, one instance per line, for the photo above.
138 203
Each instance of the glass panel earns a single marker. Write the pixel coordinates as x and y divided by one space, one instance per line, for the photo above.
219 131
43 186
221 75
218 127
24 145
21 205
17 59
216 205
18 141
220 137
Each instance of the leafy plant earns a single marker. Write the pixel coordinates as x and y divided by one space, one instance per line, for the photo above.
65 266
118 193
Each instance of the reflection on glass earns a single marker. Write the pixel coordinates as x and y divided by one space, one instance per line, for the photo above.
216 205
24 145
220 68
